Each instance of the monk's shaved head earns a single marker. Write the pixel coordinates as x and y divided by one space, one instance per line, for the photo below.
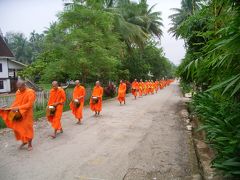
77 82
55 84
97 83
21 85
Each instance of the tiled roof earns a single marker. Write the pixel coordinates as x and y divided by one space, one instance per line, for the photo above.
4 50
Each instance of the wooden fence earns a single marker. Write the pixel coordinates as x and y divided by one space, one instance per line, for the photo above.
41 98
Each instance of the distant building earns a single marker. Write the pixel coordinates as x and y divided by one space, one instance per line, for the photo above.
9 68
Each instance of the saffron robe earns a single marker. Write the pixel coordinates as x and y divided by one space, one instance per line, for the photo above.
56 96
141 88
135 87
97 92
22 129
122 92
79 93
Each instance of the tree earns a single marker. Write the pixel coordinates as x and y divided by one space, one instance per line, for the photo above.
150 59
188 8
25 50
211 65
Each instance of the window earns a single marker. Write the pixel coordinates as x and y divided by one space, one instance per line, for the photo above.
1 85
1 67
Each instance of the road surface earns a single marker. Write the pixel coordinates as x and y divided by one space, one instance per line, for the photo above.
144 139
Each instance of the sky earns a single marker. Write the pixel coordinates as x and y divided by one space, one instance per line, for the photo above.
28 15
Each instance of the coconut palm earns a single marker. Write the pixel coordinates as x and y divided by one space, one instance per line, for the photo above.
135 22
188 8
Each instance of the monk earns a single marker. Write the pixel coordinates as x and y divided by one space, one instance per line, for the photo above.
56 99
96 99
156 85
122 92
23 104
140 88
161 84
77 102
149 87
135 88
146 87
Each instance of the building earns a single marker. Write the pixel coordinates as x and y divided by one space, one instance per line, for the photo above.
9 68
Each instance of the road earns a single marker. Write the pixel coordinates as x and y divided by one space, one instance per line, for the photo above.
144 139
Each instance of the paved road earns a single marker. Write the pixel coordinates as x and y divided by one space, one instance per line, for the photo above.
144 139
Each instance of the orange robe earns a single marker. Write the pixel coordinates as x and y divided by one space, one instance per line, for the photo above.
156 86
161 84
140 86
152 87
56 96
145 88
79 93
122 92
97 92
23 129
135 87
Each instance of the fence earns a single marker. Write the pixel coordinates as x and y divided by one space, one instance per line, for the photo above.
41 98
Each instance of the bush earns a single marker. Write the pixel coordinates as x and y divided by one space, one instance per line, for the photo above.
220 117
110 90
186 87
2 124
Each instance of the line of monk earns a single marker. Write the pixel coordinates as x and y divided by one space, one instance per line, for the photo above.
19 116
148 87
141 88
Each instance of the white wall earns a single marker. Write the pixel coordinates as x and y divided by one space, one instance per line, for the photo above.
6 85
13 65
4 63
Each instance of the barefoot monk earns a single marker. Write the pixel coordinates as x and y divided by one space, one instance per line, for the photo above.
122 92
96 99
55 107
19 116
77 102
135 87
140 88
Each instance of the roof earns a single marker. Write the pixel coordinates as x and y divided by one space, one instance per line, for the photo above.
4 50
17 62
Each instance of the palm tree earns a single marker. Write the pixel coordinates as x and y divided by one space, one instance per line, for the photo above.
135 22
188 8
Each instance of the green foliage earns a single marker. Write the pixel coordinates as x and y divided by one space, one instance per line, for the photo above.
221 120
2 124
25 50
212 38
150 59
186 87
106 40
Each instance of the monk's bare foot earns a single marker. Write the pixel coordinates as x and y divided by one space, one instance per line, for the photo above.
61 130
53 136
22 145
30 148
79 122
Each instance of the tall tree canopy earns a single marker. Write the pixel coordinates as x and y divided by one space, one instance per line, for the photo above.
99 40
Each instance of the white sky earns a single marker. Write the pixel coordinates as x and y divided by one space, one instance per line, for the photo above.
28 15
